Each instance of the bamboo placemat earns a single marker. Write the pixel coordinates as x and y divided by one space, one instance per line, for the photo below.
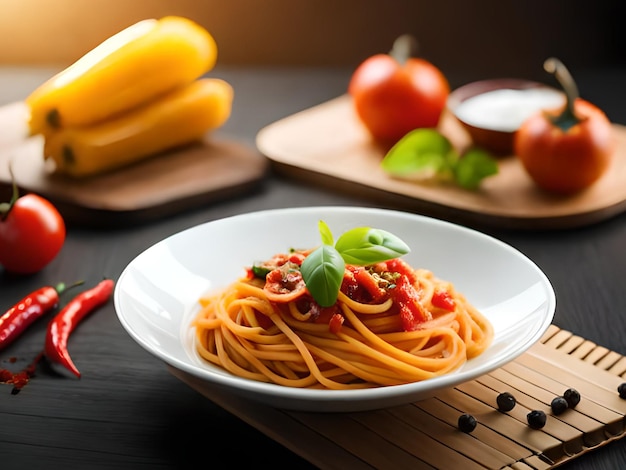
424 434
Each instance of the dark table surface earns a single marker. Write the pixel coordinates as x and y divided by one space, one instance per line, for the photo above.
128 411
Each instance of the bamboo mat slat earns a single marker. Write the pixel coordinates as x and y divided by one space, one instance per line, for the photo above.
424 434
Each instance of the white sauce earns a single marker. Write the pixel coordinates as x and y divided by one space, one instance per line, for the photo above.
507 109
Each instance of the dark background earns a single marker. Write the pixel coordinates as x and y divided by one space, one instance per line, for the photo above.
468 39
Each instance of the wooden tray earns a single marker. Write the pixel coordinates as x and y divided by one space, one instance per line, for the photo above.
425 435
176 181
327 145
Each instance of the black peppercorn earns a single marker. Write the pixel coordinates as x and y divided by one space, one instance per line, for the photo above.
467 423
536 419
621 389
572 396
559 405
506 401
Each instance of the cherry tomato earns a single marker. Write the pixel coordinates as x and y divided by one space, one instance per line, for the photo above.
393 96
32 233
566 151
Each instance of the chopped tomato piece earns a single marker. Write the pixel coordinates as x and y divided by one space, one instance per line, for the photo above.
411 311
262 269
323 314
296 258
335 323
370 284
278 260
284 283
400 266
443 299
349 285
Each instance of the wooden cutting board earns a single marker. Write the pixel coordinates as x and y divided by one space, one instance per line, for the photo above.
327 145
179 180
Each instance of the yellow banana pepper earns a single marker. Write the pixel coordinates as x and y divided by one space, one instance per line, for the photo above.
129 69
179 117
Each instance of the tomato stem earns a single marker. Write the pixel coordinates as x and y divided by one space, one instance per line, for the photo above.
5 207
404 47
568 118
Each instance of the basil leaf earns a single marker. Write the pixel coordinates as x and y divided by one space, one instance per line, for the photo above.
260 272
421 153
364 245
325 233
322 271
427 154
475 165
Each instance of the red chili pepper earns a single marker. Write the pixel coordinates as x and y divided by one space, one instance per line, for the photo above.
26 311
65 322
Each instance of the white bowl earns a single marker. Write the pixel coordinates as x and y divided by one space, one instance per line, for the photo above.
156 295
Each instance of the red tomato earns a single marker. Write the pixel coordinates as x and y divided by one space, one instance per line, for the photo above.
565 151
32 233
393 98
566 161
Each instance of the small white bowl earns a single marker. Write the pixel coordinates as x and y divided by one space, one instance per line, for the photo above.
491 111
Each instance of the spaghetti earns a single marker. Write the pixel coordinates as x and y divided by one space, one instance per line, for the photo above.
391 325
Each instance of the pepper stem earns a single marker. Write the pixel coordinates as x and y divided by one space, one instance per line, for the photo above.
404 47
62 287
568 117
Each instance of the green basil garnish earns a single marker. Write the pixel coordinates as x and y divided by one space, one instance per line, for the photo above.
323 269
426 154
